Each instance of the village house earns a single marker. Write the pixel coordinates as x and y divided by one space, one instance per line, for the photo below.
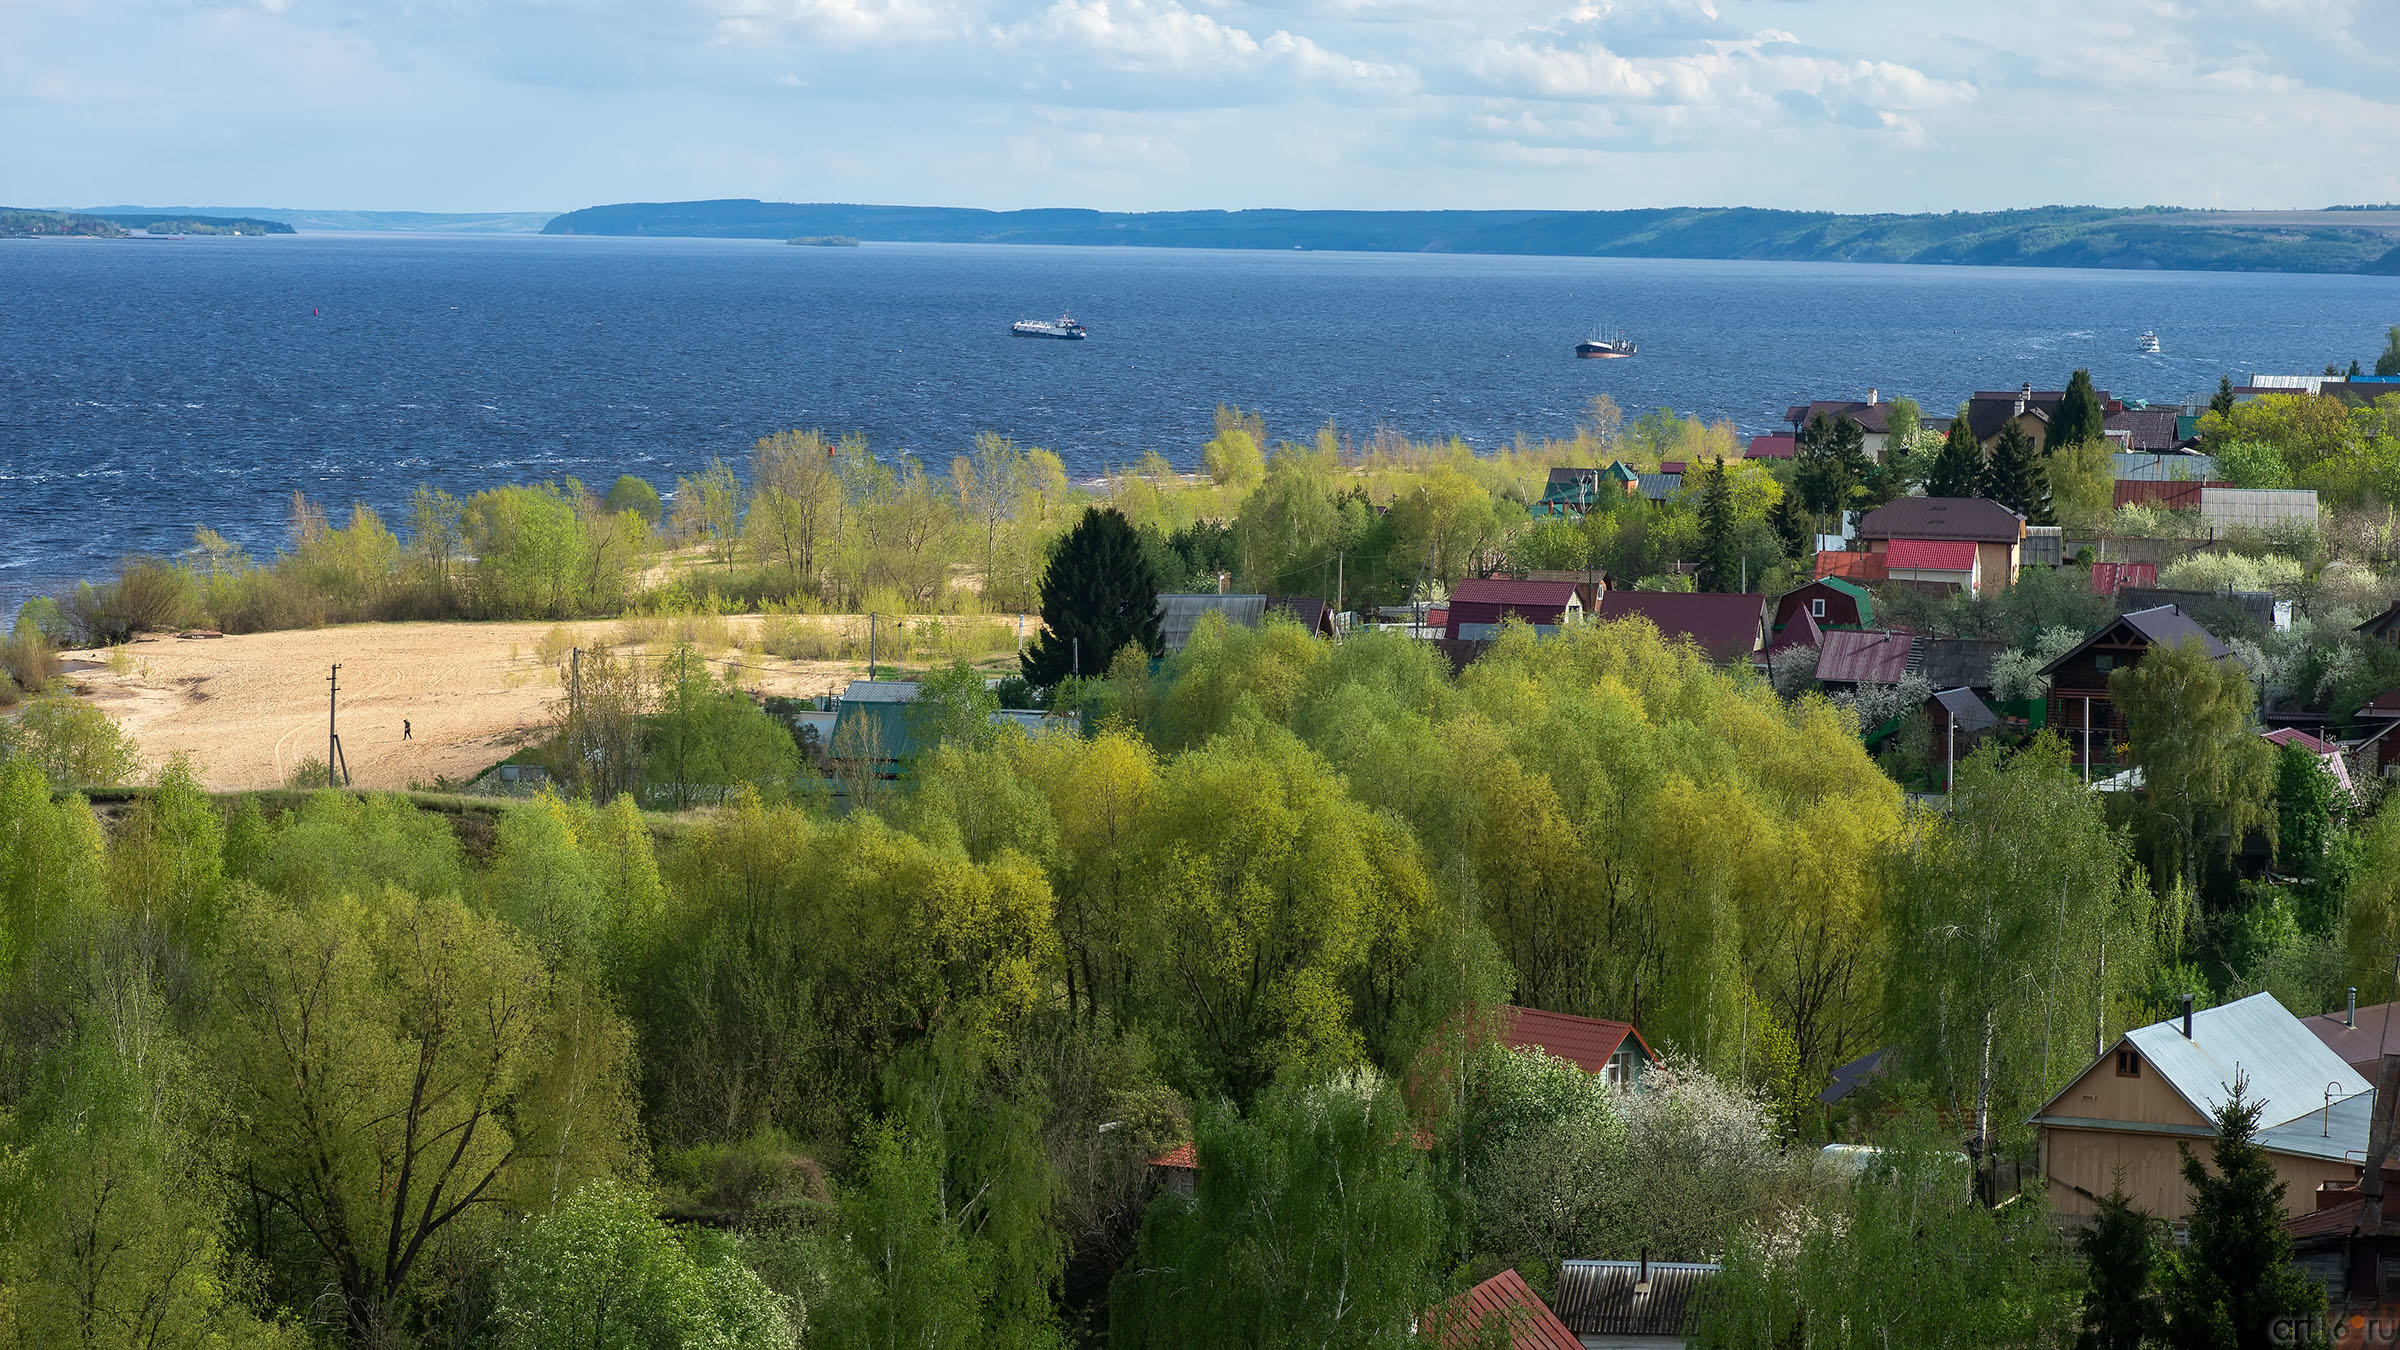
1610 1049
1997 533
1873 416
1935 564
1179 614
1502 1313
1479 605
1832 601
1575 491
1774 445
1847 659
2079 709
1727 628
2029 408
2159 1086
2361 1036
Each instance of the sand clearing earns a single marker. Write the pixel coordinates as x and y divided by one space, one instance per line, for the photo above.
248 709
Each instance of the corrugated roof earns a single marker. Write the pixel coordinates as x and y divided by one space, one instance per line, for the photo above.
1930 555
1770 447
2044 546
1834 562
1466 1321
2335 1132
2256 508
2166 625
2108 578
1611 1298
2150 429
1943 518
1873 418
1802 631
1967 712
2286 1067
1864 656
1179 614
1588 1043
1511 591
1953 663
2135 468
1724 626
1856 1074
1660 486
2363 1044
880 691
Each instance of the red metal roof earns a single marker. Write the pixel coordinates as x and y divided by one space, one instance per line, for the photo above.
2108 578
1854 566
1588 1043
2175 495
1870 656
1671 466
1459 1323
1512 591
1936 555
1769 447
1724 626
2295 736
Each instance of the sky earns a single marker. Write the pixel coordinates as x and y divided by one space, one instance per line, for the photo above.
1850 105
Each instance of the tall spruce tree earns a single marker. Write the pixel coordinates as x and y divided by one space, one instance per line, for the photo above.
1831 464
2389 362
2234 1284
2078 417
2016 477
1790 530
1720 552
1098 595
1958 469
2223 402
2121 1256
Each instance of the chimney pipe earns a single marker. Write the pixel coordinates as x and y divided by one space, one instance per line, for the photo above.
2187 1017
2351 1021
1641 1284
1871 392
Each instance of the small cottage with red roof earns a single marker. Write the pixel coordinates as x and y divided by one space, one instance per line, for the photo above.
1479 605
1771 447
1934 564
1596 1045
1501 1311
1726 627
1834 602
1997 533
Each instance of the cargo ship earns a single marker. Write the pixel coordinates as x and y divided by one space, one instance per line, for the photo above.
1064 327
1606 349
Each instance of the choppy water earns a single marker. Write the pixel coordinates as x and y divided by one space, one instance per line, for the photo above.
147 386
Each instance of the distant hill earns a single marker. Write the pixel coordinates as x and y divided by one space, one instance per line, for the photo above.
314 222
2358 241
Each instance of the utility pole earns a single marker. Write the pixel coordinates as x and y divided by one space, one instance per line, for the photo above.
1078 657
870 645
333 738
1341 562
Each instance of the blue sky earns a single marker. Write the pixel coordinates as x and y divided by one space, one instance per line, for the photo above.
1898 105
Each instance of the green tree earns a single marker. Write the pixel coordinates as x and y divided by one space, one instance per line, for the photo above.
1311 1223
378 1051
73 743
1831 465
1098 596
2388 363
2122 1256
707 737
954 707
1236 456
112 1229
2221 402
2079 417
2233 1285
2016 477
1902 1252
2020 913
604 1273
2207 779
2252 464
633 494
1720 552
1958 469
1791 532
708 509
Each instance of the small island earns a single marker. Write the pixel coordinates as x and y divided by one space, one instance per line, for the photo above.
824 241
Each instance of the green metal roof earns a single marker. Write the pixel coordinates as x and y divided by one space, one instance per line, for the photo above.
1865 599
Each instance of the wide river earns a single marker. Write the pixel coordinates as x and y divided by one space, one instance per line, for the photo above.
148 386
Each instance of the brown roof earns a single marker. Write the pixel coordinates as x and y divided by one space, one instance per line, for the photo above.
1943 518
1727 627
1989 410
2363 1046
1951 663
1311 613
1802 631
2148 430
1501 1301
1868 656
2163 626
1834 562
1588 1043
1873 417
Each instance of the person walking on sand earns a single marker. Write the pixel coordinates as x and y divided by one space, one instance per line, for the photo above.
405 731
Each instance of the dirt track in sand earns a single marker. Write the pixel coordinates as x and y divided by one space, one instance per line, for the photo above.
248 709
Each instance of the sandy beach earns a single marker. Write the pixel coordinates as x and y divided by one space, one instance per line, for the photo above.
249 708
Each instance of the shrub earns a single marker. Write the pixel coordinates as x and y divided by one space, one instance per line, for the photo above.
73 743
148 594
27 659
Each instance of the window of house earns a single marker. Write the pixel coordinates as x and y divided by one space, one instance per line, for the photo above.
2129 1063
2103 662
1816 609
